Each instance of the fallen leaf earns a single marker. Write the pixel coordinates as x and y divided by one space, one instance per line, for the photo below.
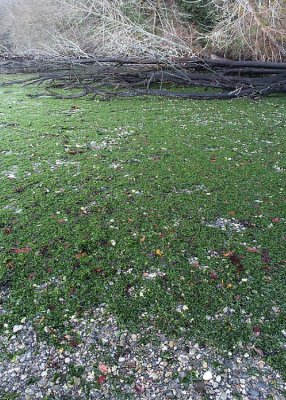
73 342
275 220
8 230
78 256
158 253
229 286
139 388
10 265
31 275
103 368
75 151
236 260
252 249
142 239
98 270
21 251
228 253
256 330
213 275
258 351
265 257
101 379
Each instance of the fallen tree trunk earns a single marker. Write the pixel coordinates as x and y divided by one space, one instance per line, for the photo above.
107 77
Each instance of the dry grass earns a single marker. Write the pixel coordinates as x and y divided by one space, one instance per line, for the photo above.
250 29
109 27
246 29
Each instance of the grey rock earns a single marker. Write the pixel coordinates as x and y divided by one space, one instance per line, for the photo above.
171 394
199 387
253 393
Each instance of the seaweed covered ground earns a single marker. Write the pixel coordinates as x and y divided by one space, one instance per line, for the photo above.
171 213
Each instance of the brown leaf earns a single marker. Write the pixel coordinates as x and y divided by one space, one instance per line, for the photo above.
75 151
265 257
139 388
256 330
78 256
31 275
236 260
228 253
73 342
142 239
101 379
258 351
8 230
252 249
213 275
98 270
10 265
21 251
275 220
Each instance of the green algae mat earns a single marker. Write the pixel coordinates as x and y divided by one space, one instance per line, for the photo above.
170 212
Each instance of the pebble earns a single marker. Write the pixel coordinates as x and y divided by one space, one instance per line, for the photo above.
207 376
171 394
17 328
157 369
199 387
253 393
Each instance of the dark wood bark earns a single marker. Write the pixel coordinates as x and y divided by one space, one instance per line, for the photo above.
107 77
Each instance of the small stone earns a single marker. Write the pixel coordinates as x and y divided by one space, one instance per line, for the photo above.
171 344
67 360
253 393
171 394
207 376
153 375
133 338
199 387
223 396
17 328
218 379
205 365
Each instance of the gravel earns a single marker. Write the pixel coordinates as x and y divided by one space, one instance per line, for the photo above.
104 361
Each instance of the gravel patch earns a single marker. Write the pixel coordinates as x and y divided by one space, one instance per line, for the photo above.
104 361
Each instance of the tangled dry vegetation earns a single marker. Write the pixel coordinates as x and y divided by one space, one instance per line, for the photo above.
242 29
250 29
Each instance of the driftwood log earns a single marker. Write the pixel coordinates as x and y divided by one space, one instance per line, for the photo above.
106 77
